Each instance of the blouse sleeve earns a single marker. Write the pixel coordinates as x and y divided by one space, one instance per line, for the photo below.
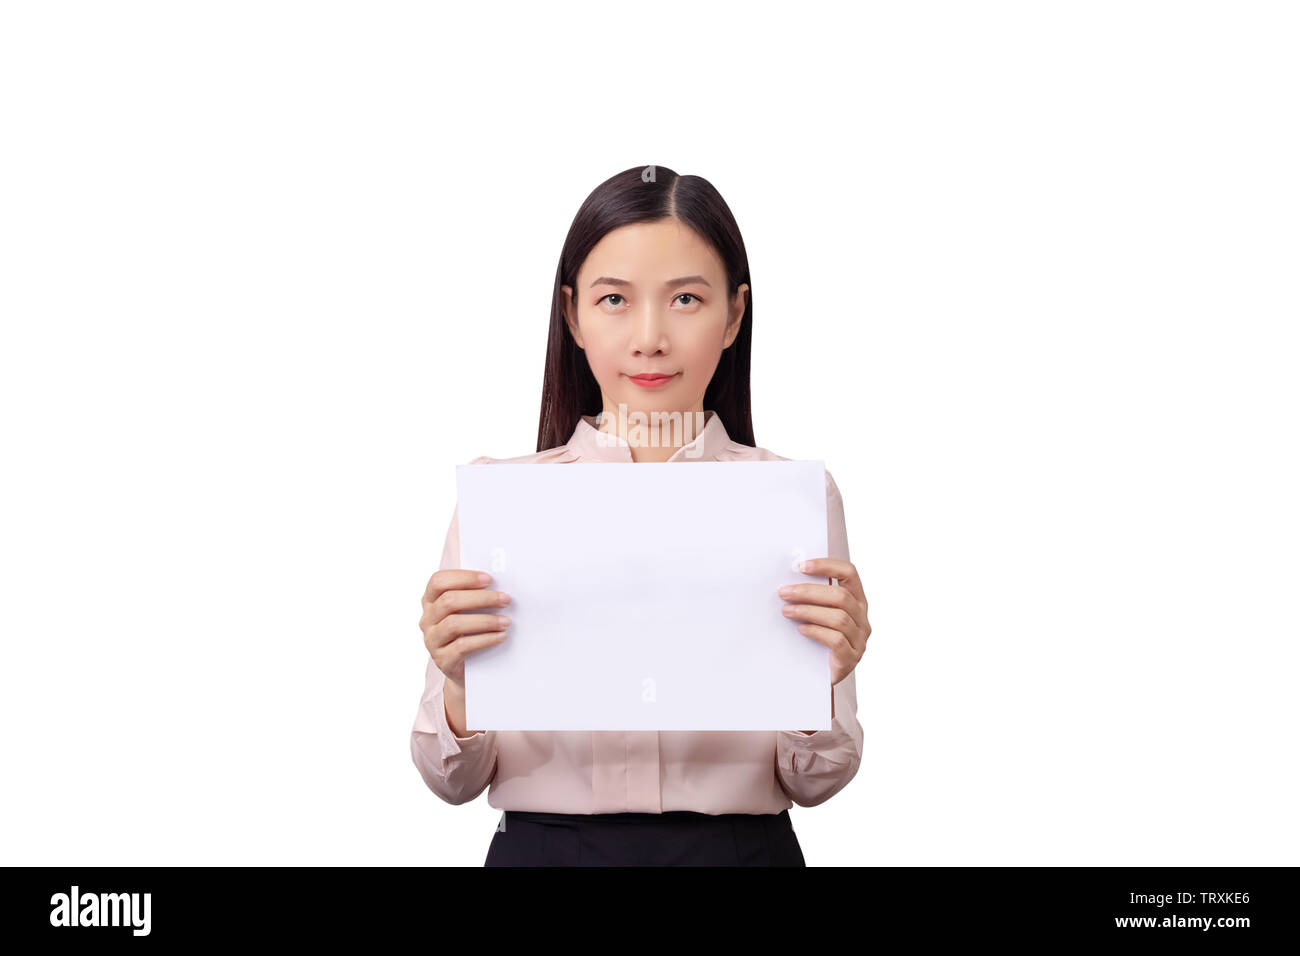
812 768
456 768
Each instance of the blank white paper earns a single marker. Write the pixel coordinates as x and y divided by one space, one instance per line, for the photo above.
643 595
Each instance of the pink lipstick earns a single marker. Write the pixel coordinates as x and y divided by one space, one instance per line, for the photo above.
652 380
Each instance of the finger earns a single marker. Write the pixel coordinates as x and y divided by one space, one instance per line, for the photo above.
832 638
830 595
835 618
458 599
455 652
454 626
454 578
842 571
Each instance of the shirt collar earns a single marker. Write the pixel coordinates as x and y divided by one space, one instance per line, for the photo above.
591 444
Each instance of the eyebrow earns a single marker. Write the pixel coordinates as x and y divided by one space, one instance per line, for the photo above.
670 284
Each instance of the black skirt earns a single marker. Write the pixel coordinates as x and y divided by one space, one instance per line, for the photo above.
675 838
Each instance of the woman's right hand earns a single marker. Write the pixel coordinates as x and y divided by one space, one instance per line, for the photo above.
451 636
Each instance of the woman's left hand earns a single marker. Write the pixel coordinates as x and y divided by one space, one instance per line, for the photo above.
835 614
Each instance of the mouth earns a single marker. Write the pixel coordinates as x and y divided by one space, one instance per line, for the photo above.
647 380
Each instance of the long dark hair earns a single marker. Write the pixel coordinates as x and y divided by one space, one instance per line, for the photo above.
645 194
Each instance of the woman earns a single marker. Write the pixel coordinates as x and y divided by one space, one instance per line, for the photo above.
651 312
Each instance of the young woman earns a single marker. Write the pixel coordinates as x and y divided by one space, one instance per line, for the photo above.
651 312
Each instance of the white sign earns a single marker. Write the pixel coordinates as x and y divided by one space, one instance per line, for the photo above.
644 595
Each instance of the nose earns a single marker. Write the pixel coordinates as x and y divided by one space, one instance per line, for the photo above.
651 334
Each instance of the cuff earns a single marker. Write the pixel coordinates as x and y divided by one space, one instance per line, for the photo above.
451 744
432 719
817 740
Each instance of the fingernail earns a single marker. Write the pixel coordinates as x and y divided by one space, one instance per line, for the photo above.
785 591
505 598
484 577
503 622
804 565
788 610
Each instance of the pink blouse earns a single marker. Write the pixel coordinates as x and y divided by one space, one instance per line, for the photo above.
641 771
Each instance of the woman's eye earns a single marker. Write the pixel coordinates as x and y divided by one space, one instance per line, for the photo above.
615 299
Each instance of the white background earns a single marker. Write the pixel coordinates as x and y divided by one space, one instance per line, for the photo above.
1024 275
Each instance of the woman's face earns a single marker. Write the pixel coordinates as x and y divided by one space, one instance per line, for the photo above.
652 298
